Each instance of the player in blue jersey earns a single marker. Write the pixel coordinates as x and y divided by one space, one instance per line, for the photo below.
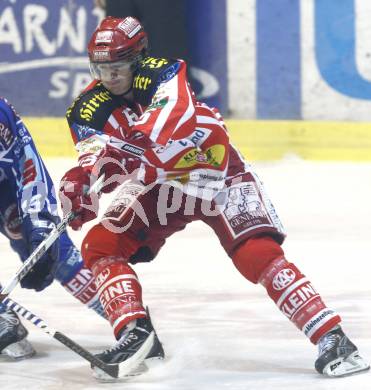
28 213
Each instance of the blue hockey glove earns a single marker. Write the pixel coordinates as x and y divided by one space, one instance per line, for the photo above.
42 273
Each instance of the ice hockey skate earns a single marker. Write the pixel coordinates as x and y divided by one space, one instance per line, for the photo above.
338 356
135 351
13 337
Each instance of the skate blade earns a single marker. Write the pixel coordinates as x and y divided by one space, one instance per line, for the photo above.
19 350
131 367
154 362
341 367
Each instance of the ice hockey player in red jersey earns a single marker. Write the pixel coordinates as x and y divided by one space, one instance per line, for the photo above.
139 124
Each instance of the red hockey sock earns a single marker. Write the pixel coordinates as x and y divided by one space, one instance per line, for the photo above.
120 292
297 299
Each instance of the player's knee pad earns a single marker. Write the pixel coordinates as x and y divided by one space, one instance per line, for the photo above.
98 243
254 255
101 242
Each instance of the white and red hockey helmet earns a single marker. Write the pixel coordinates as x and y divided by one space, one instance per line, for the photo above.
118 39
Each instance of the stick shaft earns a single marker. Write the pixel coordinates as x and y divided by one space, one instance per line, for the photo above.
43 247
110 369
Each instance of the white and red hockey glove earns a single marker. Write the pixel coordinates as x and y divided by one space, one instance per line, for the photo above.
73 194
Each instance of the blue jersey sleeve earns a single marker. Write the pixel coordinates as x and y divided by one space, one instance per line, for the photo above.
22 164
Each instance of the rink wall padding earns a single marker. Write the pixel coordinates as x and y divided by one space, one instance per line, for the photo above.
51 136
272 140
257 140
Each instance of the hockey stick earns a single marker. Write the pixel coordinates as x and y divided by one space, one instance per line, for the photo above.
44 246
110 369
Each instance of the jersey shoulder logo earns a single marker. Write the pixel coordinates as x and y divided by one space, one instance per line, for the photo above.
93 104
150 74
91 110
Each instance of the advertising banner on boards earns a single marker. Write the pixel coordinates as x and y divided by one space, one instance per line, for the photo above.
43 62
43 59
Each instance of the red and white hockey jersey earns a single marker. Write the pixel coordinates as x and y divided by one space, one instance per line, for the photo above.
176 138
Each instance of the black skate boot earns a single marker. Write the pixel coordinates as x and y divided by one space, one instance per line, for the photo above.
13 342
338 356
157 352
137 348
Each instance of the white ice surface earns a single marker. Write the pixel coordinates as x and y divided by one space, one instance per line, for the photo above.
220 331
